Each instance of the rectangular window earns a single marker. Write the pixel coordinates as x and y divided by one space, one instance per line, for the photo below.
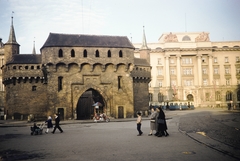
226 59
184 61
238 70
184 71
205 82
215 59
172 71
34 88
227 81
217 96
160 83
204 71
119 82
160 72
187 60
216 71
190 60
150 96
237 59
187 71
227 71
238 81
188 82
60 83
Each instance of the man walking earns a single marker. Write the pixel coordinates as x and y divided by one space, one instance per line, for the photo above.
57 120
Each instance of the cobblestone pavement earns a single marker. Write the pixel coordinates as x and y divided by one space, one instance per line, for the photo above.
218 130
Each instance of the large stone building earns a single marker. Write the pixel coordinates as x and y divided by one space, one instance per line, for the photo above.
72 73
188 66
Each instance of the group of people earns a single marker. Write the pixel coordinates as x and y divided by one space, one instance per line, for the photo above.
50 125
157 123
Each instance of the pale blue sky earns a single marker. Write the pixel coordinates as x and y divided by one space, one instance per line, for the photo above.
35 19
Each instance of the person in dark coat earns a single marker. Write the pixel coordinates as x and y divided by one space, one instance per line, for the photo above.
49 124
57 120
162 125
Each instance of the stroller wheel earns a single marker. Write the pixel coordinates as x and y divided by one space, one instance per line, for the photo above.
31 133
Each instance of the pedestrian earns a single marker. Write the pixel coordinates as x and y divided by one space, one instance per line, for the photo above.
162 125
49 124
139 123
57 120
152 121
156 121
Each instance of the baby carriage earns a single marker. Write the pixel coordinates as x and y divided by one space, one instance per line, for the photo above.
37 130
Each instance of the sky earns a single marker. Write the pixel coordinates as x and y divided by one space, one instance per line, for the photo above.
33 20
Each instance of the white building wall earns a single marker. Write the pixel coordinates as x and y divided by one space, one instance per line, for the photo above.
202 53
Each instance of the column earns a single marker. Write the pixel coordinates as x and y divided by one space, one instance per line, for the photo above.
210 68
199 74
167 74
179 83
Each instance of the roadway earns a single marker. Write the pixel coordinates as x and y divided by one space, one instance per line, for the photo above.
201 134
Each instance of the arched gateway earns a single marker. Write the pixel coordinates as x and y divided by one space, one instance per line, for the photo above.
85 108
190 97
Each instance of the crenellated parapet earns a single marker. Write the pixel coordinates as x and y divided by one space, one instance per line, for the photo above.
16 73
141 73
17 80
92 67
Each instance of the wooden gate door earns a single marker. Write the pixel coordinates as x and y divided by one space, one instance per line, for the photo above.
84 106
120 112
61 113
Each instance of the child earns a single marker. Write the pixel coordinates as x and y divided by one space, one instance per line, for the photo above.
139 120
49 124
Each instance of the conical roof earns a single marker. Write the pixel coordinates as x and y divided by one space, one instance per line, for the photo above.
12 37
144 41
34 50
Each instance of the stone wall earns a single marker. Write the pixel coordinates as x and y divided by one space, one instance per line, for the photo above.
30 92
23 99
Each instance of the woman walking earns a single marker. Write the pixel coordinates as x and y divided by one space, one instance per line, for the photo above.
162 125
152 121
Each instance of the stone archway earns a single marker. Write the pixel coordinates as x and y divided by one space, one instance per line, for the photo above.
190 97
84 108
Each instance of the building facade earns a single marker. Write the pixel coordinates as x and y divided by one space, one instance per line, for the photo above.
188 66
72 73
